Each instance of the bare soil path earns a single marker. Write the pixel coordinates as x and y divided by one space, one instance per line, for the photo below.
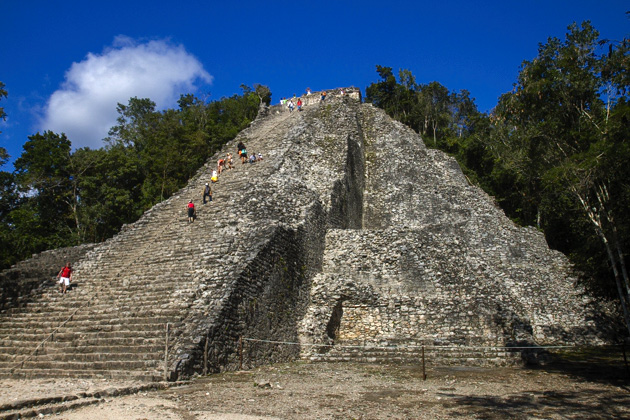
356 391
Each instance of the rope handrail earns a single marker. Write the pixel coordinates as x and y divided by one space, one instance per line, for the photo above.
533 347
20 364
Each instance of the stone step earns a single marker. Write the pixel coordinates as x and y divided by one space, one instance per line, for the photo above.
121 286
94 366
56 403
18 346
85 323
156 279
149 315
69 355
145 263
104 317
88 326
157 276
438 361
99 309
40 408
68 306
82 319
27 346
54 348
117 289
31 340
72 340
64 334
148 375
95 312
143 296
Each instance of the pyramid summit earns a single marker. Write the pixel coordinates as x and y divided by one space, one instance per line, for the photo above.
348 236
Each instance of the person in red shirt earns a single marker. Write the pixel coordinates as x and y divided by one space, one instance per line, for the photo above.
65 277
191 211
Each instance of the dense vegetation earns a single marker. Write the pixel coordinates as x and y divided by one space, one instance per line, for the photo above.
554 152
59 197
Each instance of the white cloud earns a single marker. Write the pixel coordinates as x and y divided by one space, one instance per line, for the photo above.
85 106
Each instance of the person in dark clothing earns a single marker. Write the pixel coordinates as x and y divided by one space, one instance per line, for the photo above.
207 193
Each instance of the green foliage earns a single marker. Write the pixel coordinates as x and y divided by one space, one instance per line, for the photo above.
264 93
43 174
4 156
3 94
429 109
563 131
10 200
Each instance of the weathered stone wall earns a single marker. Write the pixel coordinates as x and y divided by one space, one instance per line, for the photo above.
429 288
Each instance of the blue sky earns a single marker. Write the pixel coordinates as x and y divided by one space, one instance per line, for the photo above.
66 64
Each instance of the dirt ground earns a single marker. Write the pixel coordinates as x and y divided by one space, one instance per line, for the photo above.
362 391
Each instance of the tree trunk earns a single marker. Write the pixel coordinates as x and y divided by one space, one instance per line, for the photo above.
602 199
622 262
596 221
611 258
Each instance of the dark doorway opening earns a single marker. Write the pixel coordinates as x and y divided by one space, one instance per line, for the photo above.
332 329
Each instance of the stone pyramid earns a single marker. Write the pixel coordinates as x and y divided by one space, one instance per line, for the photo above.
349 239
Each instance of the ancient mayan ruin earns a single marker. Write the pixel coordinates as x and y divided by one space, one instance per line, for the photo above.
350 239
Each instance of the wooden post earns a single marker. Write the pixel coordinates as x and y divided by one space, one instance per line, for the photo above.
424 372
166 353
205 358
240 352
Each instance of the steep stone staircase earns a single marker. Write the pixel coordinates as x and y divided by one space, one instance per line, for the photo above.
113 321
